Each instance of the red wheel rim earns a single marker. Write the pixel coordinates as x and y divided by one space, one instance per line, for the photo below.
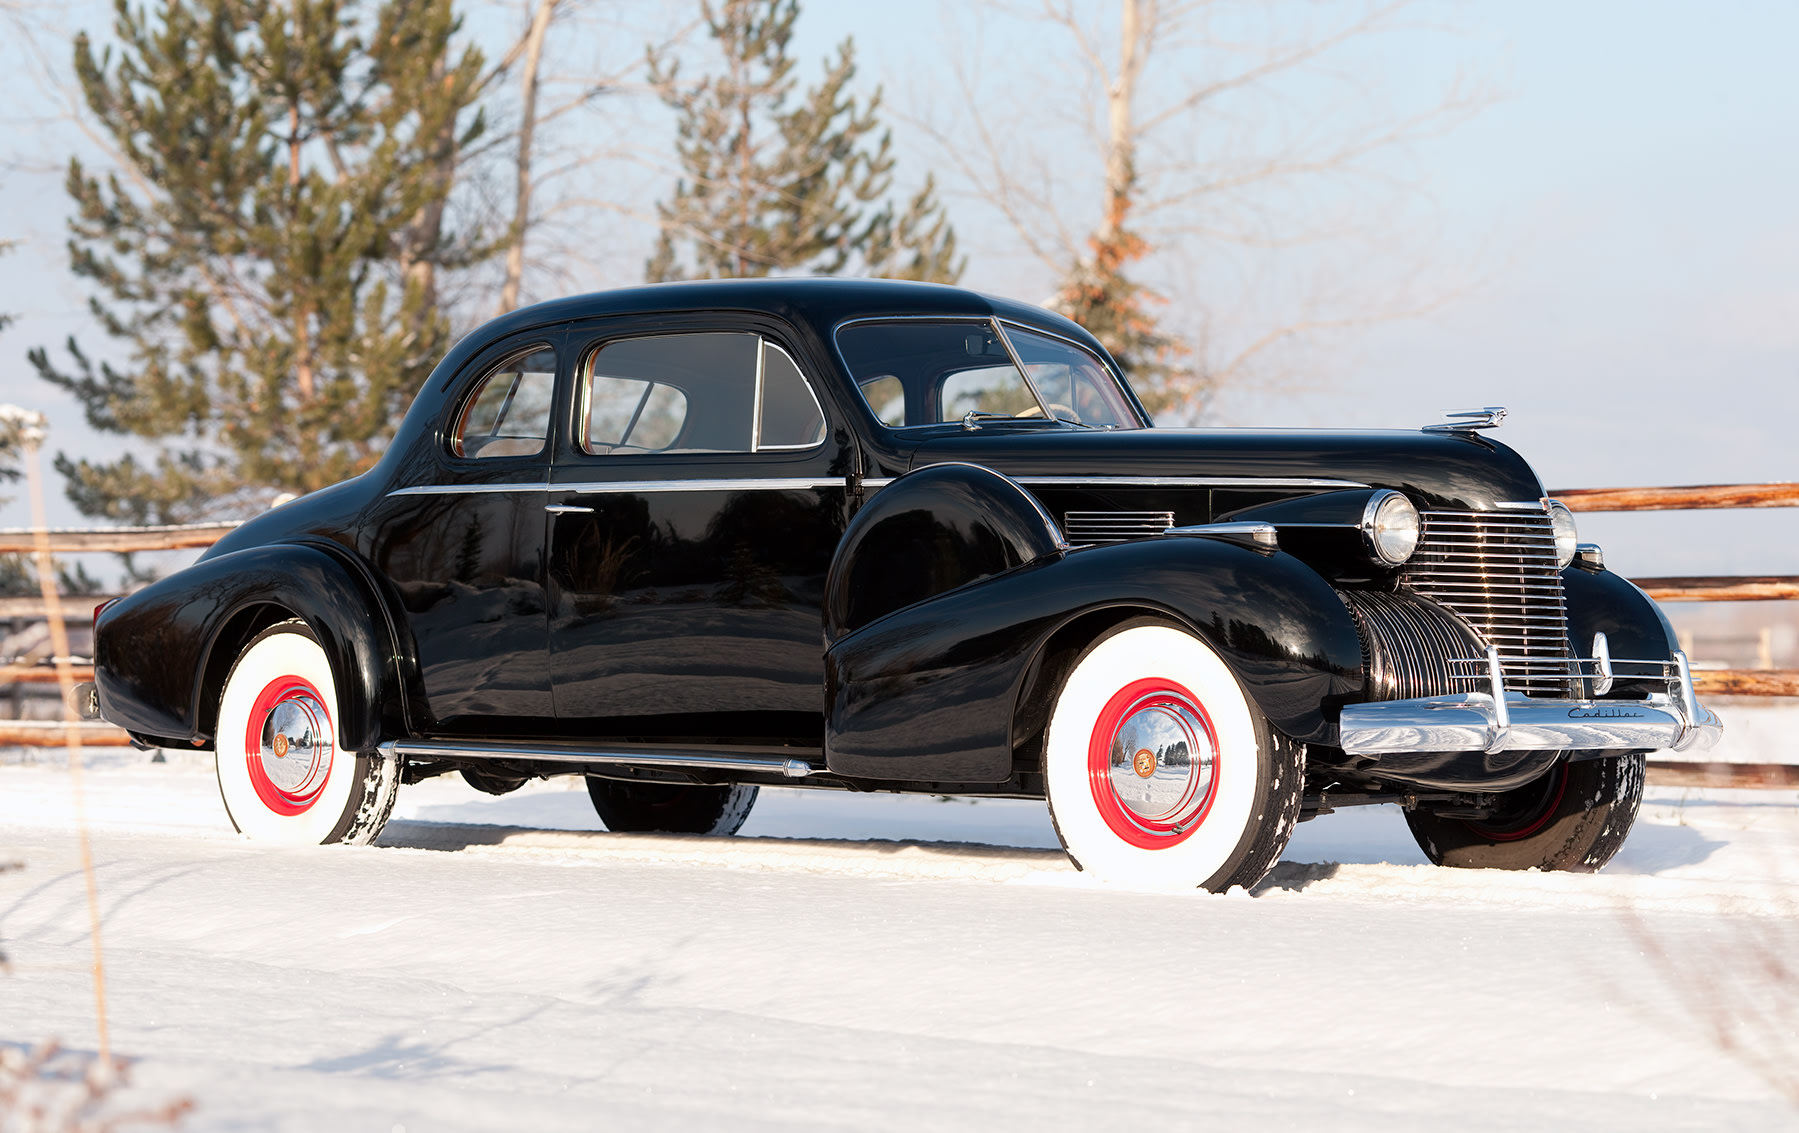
1553 801
1152 762
289 745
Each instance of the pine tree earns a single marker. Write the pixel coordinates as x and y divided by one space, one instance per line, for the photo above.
1114 308
14 577
268 253
777 184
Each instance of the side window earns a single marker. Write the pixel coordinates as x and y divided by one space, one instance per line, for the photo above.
886 395
788 416
509 412
1074 382
626 413
708 392
990 389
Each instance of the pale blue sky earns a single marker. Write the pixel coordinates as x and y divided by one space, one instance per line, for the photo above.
1634 191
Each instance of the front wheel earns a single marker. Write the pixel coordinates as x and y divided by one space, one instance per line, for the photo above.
1573 819
281 775
1161 772
670 808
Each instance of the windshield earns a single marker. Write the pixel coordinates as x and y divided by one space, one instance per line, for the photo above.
923 372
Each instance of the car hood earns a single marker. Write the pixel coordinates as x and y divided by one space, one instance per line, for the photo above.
1439 470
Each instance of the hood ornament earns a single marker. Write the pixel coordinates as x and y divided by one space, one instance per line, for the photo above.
1467 421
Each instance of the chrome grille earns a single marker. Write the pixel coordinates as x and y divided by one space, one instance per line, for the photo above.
1498 571
1410 647
1114 526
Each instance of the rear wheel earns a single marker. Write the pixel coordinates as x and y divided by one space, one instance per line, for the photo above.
670 808
1574 820
1161 772
280 772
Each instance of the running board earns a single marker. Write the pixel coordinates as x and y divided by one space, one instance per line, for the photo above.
648 757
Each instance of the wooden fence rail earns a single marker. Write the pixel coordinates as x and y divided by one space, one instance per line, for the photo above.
75 540
1721 588
1691 498
79 608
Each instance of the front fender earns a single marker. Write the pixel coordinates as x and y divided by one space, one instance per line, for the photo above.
1634 626
157 652
930 532
931 692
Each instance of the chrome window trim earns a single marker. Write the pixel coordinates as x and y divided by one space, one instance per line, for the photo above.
1024 375
447 435
756 438
756 403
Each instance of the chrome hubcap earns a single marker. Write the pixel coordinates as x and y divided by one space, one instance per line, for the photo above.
296 745
1161 765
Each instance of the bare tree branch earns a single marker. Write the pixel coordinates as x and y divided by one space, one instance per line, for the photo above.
1213 129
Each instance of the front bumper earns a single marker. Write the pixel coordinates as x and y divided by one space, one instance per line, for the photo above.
1498 720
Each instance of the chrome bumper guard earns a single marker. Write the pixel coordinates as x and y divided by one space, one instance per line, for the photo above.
1497 720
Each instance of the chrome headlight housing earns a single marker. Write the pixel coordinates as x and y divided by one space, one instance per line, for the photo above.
1567 533
1390 528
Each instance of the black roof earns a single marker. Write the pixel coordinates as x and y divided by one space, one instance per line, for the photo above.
817 303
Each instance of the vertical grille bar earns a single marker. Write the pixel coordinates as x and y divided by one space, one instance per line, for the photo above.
1498 571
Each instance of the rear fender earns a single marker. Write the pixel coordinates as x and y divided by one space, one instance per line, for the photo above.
161 655
939 691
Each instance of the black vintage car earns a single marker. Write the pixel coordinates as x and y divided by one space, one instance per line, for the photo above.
690 539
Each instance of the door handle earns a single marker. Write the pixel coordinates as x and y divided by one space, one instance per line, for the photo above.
567 509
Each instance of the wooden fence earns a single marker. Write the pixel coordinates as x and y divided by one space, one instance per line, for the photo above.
1703 588
1712 588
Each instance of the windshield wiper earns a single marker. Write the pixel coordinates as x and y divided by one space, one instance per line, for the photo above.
971 420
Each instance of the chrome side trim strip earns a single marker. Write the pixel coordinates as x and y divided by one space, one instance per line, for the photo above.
1191 481
803 483
1176 481
1262 535
698 760
467 489
743 484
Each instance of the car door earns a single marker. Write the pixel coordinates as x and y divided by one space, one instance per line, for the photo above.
462 544
696 508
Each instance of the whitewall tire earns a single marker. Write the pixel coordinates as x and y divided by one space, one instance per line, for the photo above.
281 773
1160 772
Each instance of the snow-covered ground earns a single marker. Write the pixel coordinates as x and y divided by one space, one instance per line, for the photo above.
890 962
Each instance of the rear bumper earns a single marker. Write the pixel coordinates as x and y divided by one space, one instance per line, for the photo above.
1499 720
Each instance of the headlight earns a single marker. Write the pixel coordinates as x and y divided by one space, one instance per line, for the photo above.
1567 536
1390 528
